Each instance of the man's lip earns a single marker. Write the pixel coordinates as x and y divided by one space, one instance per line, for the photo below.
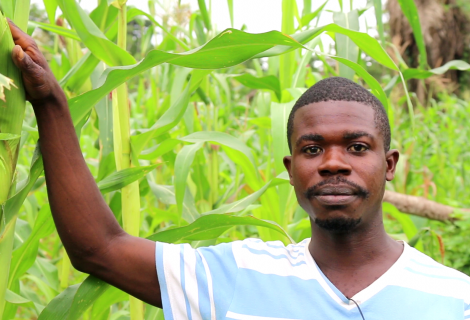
333 199
336 190
338 194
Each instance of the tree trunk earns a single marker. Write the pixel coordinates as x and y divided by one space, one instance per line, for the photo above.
446 31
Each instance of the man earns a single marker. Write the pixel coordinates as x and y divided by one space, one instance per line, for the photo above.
350 268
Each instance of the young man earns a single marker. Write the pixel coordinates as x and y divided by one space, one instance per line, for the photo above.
350 268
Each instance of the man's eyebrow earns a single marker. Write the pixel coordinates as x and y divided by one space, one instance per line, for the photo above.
351 135
309 137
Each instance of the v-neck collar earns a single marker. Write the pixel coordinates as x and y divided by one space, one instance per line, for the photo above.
363 295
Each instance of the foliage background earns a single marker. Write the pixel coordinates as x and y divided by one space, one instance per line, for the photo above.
221 144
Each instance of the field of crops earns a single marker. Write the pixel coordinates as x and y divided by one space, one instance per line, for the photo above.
184 129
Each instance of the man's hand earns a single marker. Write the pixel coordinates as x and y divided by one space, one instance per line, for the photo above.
39 82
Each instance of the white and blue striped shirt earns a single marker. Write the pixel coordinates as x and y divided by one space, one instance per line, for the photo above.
256 280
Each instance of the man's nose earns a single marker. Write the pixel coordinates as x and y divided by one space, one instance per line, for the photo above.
334 161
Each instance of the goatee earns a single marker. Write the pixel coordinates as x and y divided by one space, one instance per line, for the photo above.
338 225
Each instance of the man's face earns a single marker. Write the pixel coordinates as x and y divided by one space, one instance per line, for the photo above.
338 165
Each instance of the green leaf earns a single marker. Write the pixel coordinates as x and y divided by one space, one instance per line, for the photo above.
25 255
378 18
306 18
118 180
101 307
61 31
160 149
279 116
269 82
92 37
230 10
80 72
13 205
51 9
405 221
183 163
364 41
133 12
210 227
345 47
166 195
229 48
9 136
411 13
71 303
423 74
223 139
242 204
166 122
205 14
15 298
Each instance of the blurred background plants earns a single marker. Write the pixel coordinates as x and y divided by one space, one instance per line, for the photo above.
196 141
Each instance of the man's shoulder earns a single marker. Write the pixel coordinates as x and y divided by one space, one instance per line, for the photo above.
421 262
433 276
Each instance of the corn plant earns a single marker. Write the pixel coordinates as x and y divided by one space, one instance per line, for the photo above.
185 136
12 110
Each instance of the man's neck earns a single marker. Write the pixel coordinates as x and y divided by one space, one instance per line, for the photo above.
352 251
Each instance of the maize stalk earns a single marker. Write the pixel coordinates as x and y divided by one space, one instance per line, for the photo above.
130 194
12 109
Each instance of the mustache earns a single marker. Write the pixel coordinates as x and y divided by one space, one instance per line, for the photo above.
338 180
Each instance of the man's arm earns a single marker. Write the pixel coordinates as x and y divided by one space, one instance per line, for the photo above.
94 241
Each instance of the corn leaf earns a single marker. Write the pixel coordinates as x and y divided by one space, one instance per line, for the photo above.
411 13
269 82
210 227
423 74
229 48
118 180
183 162
71 303
92 37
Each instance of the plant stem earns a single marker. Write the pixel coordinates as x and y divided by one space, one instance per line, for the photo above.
287 61
64 270
130 194
6 248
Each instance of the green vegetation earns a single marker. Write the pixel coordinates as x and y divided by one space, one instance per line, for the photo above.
188 146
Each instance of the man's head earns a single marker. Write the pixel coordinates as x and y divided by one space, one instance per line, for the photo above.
339 137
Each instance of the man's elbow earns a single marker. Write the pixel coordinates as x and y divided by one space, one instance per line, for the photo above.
89 260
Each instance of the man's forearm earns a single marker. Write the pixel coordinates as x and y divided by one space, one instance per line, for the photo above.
84 221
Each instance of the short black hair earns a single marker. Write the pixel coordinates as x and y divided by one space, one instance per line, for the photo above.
341 89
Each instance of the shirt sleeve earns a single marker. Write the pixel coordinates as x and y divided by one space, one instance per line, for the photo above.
466 313
198 283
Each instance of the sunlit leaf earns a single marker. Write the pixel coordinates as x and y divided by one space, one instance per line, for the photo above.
211 226
118 180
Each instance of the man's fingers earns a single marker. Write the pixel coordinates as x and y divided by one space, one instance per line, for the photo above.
24 62
19 37
25 42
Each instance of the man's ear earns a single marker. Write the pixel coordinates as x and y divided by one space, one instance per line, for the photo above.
391 157
288 163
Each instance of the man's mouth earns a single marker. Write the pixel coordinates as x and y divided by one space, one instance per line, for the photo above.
336 191
335 194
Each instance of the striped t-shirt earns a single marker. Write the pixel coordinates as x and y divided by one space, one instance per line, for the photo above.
256 280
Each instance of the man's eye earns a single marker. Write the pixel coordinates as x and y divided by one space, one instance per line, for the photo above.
312 150
357 148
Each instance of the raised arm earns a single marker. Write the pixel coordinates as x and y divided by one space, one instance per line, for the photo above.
94 241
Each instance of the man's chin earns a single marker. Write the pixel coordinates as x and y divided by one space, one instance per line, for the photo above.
338 224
